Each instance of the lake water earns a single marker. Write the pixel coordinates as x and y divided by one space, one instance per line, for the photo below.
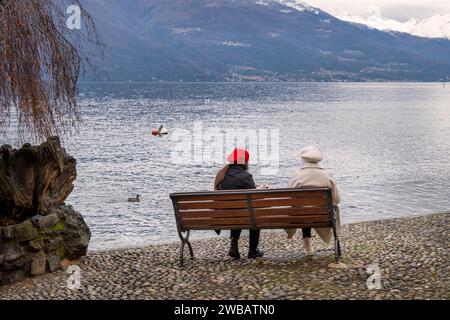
387 144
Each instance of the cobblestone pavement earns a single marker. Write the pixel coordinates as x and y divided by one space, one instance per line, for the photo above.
412 255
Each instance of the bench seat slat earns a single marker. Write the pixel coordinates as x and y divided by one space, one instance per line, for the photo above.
214 213
237 204
222 227
292 211
215 221
262 203
218 197
292 226
306 194
292 219
260 226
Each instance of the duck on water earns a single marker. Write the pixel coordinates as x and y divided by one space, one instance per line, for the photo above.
135 199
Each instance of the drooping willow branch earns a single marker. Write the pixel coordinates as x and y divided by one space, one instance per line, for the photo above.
40 63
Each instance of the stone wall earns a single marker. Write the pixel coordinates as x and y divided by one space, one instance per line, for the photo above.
39 245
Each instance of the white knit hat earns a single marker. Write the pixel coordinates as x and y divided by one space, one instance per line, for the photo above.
311 155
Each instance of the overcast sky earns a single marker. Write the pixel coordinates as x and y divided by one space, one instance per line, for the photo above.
396 9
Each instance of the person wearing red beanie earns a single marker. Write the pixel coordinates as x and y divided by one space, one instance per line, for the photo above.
233 176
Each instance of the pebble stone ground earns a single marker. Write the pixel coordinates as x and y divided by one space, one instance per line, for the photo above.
412 254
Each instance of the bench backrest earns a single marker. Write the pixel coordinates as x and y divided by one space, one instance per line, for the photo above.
253 209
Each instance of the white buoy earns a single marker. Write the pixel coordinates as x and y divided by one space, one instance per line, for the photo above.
163 130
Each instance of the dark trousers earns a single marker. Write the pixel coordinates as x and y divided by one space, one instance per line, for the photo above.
254 237
306 233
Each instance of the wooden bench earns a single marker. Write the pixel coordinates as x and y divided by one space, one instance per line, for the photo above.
253 209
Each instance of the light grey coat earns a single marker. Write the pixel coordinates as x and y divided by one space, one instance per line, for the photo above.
314 176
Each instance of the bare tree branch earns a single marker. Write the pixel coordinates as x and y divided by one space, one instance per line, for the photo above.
40 63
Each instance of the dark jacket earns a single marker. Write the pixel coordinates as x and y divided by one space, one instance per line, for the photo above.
237 178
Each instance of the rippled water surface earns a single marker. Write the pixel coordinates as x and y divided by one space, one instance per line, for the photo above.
388 146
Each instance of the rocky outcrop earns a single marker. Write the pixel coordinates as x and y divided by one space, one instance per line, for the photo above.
37 230
34 180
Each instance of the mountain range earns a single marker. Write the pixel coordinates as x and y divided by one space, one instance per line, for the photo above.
254 40
437 26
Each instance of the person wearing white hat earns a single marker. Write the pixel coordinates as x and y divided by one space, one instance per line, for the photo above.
312 175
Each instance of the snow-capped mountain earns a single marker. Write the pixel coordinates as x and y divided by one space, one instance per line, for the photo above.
298 5
437 26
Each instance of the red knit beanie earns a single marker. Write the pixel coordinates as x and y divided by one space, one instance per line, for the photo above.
239 156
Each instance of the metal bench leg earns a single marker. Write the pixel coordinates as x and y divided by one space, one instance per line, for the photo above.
336 250
191 252
185 241
182 253
337 245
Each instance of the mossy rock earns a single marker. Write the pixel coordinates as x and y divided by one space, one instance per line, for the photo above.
25 231
48 233
36 244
